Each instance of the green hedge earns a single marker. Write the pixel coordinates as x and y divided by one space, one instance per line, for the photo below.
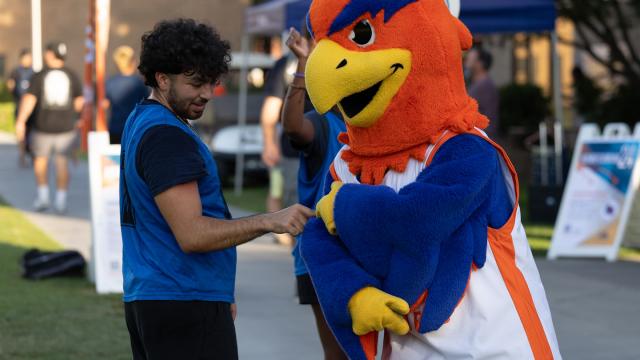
7 117
523 106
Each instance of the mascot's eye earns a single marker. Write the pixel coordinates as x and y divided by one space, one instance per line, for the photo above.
363 34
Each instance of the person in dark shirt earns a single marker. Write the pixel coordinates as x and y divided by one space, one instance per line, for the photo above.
483 89
123 91
179 241
316 138
54 98
278 154
18 84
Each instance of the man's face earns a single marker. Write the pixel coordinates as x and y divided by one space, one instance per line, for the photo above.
49 57
471 61
25 60
188 96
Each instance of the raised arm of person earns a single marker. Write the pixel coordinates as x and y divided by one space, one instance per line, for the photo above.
297 127
182 209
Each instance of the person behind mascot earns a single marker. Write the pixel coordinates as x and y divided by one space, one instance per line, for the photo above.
419 233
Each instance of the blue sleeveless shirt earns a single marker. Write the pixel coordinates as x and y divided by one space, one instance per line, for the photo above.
311 186
154 267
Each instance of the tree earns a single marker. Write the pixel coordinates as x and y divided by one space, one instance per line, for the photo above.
609 23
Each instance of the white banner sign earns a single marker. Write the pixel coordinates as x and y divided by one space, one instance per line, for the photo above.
599 193
104 168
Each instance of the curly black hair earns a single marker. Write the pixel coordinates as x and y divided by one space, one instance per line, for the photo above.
183 46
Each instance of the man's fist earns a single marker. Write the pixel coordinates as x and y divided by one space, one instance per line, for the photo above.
290 220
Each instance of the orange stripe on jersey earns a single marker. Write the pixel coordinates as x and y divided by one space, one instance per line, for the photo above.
443 139
504 253
332 171
369 344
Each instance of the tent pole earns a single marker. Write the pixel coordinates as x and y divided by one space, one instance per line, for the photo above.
242 115
36 34
558 108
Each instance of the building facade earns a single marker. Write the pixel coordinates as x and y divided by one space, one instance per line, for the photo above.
66 20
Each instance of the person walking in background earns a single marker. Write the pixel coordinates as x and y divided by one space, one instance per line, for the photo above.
278 154
123 91
179 256
18 84
55 99
316 137
482 88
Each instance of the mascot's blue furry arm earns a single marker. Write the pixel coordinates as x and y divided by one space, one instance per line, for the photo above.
425 237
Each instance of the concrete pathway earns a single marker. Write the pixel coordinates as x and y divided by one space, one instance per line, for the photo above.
595 305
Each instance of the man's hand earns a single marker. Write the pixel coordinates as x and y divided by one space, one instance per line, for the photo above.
290 220
234 311
21 129
298 45
374 310
271 155
324 208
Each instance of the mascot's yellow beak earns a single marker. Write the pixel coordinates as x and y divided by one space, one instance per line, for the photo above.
361 83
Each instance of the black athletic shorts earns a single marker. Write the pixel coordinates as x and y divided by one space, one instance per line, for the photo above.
185 330
306 291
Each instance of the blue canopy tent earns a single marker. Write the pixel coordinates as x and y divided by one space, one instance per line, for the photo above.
274 17
508 16
481 16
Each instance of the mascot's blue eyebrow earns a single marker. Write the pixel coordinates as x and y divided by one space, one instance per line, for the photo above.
355 9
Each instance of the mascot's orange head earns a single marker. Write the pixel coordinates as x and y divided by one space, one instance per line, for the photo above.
394 69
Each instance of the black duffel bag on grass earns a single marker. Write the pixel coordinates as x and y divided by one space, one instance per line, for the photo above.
38 264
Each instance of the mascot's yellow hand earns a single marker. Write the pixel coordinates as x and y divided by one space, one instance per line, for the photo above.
374 310
324 208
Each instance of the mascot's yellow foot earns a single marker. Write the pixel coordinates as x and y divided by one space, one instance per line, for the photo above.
374 310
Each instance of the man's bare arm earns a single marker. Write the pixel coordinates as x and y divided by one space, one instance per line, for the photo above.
182 209
11 85
269 117
78 103
27 104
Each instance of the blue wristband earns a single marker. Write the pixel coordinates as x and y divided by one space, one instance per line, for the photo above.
299 75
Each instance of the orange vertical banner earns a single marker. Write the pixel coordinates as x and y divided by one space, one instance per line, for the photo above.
86 116
103 23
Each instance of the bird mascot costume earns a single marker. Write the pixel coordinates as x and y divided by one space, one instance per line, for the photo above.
419 232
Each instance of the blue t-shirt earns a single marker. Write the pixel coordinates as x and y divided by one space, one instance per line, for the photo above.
124 92
154 267
315 160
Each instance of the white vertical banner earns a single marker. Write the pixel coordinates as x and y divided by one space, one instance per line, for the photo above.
597 200
104 178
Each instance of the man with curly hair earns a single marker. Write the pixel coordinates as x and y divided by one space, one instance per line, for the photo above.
179 240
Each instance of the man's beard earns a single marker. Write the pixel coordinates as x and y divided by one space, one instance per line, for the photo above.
179 106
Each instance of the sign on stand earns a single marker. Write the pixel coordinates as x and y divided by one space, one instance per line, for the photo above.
597 200
104 175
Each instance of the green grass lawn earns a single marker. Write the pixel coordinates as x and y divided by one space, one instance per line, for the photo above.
57 319
253 199
6 117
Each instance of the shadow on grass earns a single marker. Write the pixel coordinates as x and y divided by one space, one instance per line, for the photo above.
60 318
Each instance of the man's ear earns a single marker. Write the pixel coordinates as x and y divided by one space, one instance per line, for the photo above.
163 80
